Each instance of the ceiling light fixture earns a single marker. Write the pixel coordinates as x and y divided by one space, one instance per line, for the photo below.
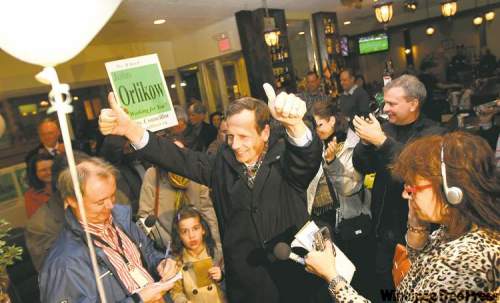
448 8
159 21
347 22
478 19
489 16
411 5
429 30
301 33
271 33
383 11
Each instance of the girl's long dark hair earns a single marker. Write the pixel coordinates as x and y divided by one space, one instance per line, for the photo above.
187 212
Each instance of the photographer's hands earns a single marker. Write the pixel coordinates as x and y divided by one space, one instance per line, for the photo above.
369 130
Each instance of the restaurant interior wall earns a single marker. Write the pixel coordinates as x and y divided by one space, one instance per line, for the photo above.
366 22
17 78
202 44
449 34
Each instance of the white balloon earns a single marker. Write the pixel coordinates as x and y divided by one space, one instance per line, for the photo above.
51 32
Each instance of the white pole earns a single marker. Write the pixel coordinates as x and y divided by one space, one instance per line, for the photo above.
62 107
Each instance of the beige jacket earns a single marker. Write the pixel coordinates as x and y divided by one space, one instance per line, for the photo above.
197 194
186 290
346 180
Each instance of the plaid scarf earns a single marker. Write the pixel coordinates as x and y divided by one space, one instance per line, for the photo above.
251 170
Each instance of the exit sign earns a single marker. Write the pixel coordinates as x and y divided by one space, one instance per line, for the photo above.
224 44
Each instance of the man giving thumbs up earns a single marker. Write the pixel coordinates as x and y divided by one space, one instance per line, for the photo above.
258 183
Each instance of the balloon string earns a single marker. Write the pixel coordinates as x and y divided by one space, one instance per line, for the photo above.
61 115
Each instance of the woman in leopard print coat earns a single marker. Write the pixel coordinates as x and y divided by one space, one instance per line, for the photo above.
459 262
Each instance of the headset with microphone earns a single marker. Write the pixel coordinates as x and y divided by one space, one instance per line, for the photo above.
454 195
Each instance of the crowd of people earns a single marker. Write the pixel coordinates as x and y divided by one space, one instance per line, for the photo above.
210 201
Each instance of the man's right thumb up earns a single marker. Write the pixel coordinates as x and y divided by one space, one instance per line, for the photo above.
108 119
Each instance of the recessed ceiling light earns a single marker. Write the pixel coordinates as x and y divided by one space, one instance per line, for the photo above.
159 21
347 22
300 33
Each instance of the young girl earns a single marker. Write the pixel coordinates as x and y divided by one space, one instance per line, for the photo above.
194 248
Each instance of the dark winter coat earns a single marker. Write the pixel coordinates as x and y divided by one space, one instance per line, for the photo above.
252 221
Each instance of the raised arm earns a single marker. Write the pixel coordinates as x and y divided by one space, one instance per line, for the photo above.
303 149
159 151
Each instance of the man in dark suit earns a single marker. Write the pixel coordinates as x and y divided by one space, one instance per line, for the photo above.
379 145
354 100
49 133
258 180
199 134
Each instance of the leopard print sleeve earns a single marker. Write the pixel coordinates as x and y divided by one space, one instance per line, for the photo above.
347 294
465 269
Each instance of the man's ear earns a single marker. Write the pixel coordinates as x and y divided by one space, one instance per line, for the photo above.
414 105
71 201
332 120
266 132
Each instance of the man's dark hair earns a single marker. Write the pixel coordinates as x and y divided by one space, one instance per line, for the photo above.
349 71
47 120
312 73
260 109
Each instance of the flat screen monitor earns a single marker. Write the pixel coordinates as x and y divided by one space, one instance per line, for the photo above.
373 43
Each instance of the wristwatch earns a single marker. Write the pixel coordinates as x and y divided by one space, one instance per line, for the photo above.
334 282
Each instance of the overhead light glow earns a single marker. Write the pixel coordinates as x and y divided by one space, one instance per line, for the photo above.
159 21
430 30
489 15
449 8
383 11
478 20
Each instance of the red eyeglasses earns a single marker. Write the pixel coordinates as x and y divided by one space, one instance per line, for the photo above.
416 188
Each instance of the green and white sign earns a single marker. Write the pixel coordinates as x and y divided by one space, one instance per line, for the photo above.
140 87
